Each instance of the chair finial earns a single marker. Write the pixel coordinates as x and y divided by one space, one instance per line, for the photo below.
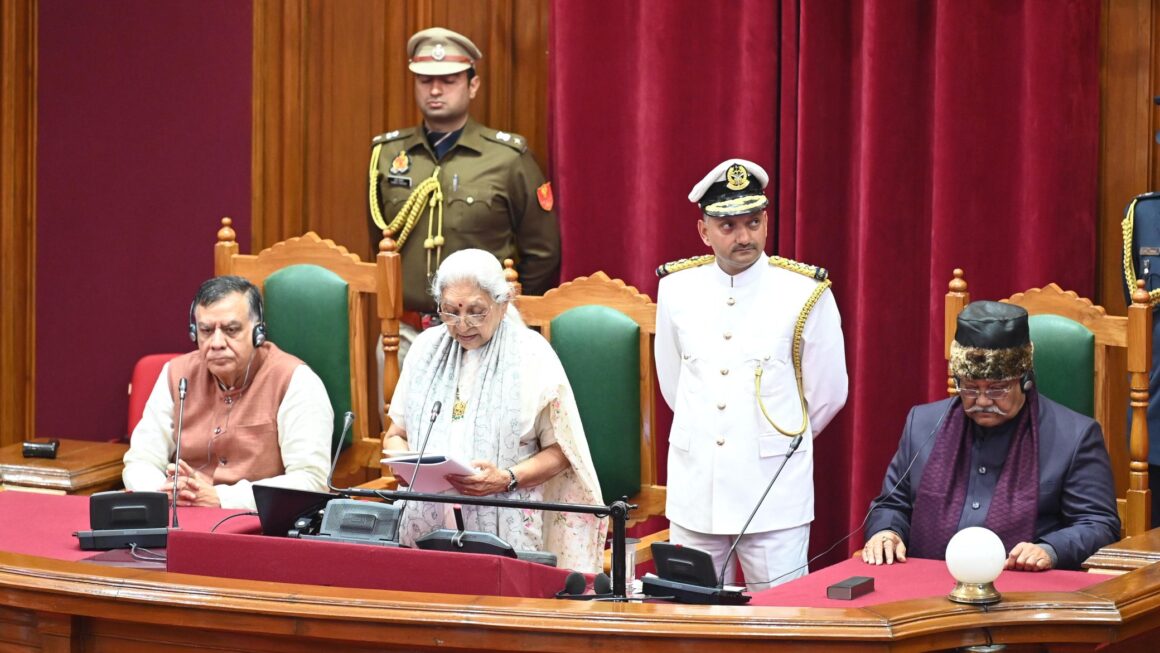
226 233
388 244
1140 294
957 284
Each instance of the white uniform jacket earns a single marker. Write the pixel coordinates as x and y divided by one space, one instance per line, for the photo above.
713 331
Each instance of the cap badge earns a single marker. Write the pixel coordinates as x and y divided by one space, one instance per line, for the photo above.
438 52
737 178
400 164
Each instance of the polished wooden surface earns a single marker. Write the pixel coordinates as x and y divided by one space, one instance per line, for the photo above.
1129 68
1127 554
1131 335
18 65
329 76
80 467
54 605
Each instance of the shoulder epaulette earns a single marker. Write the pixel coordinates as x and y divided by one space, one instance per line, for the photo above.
391 136
683 264
514 141
811 271
1148 196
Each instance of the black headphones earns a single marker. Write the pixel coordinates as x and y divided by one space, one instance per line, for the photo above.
257 335
575 584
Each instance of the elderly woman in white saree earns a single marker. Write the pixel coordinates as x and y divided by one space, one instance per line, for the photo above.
512 413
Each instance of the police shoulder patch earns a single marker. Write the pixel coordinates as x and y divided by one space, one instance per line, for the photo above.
811 271
391 136
684 264
514 141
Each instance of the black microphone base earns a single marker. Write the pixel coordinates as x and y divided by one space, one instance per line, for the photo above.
688 593
123 538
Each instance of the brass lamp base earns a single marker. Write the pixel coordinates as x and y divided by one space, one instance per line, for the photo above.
975 593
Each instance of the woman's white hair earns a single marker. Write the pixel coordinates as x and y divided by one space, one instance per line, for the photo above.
479 268
474 266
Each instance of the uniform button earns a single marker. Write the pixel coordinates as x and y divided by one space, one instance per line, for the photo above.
721 406
470 201
975 505
720 440
724 371
217 430
728 335
686 357
982 469
730 301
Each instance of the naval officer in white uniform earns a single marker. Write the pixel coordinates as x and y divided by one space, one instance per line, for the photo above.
739 388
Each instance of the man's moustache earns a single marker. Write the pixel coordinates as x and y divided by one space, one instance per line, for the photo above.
986 409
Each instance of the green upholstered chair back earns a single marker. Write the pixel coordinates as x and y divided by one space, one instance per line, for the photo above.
599 348
306 311
1065 358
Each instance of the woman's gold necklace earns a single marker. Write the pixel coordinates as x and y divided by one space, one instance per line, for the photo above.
460 407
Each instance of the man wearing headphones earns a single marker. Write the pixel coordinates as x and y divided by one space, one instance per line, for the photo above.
1001 456
252 412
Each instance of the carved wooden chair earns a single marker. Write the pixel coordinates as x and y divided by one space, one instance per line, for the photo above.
603 332
1082 356
328 307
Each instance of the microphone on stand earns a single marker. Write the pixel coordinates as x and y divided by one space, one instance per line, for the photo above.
181 388
347 422
793 445
438 406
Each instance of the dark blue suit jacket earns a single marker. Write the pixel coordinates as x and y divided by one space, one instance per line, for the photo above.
1077 504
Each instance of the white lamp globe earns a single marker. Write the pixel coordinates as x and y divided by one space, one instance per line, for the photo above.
975 557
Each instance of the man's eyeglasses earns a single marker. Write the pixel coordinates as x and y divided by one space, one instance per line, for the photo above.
471 319
993 393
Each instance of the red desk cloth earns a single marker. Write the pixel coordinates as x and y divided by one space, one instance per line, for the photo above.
43 524
913 579
312 562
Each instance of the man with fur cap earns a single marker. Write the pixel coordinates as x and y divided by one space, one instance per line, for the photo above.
1001 456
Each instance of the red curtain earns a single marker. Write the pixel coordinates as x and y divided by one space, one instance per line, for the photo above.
906 138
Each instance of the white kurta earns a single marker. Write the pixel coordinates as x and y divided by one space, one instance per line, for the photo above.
544 414
713 332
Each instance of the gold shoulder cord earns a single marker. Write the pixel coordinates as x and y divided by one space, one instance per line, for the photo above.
1128 227
798 329
427 195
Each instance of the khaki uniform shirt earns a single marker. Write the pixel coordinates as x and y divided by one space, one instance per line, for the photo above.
490 183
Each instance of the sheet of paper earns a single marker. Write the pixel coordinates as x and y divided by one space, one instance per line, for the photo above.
432 469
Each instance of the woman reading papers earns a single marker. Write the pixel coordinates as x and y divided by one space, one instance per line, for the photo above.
507 408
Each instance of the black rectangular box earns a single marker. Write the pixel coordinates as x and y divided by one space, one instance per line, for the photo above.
851 588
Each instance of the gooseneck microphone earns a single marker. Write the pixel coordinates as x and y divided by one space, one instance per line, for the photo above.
435 408
347 421
793 445
181 388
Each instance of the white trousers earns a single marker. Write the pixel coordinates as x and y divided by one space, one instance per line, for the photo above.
768 559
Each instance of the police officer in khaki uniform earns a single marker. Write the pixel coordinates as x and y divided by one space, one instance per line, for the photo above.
452 183
749 356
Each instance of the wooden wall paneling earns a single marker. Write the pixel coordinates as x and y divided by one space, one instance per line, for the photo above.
277 157
330 75
1127 132
18 69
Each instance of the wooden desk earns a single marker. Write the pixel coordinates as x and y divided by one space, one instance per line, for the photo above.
1127 554
81 467
54 605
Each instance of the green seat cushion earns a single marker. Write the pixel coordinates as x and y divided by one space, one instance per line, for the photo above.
307 315
600 350
1065 354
